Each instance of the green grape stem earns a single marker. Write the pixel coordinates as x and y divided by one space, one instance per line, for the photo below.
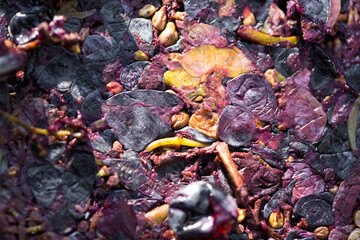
32 129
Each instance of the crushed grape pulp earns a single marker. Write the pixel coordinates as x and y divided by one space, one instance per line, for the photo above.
220 119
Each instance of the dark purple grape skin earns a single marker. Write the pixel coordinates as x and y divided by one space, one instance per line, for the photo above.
341 163
88 79
280 57
50 176
352 77
23 22
236 126
99 48
4 99
324 71
44 182
316 10
334 140
118 221
114 20
316 208
301 234
136 127
255 94
129 78
141 116
193 7
60 72
91 107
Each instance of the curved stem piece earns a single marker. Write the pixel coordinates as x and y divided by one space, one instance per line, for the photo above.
174 141
258 37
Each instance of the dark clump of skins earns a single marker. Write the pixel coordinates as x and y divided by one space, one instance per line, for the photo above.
200 204
21 24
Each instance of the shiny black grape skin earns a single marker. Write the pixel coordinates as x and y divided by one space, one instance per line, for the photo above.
202 211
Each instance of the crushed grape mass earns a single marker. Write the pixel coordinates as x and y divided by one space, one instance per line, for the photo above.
179 119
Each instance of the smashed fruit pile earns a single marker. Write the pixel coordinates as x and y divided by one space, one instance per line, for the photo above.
179 119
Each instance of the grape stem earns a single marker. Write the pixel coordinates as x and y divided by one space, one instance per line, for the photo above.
225 156
353 123
237 180
254 35
174 141
32 129
240 188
